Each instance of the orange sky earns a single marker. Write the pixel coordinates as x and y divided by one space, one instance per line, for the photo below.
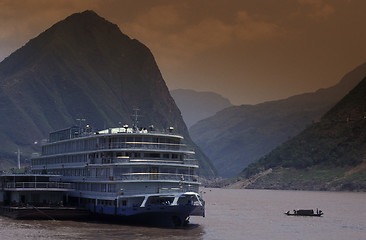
248 51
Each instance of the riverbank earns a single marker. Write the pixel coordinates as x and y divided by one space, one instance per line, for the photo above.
311 179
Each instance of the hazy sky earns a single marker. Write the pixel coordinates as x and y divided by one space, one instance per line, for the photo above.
249 51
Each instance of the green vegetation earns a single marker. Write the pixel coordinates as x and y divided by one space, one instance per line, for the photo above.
314 148
325 149
239 135
316 178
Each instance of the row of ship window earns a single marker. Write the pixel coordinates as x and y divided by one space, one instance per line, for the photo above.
121 171
95 187
123 202
104 157
110 142
63 159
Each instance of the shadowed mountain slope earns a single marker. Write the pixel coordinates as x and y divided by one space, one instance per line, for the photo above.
239 135
82 67
328 155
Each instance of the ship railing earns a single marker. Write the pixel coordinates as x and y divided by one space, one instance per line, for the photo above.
126 159
37 185
119 145
141 160
190 161
145 145
158 176
154 190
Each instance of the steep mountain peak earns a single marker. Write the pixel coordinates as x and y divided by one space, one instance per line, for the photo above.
85 16
83 55
82 67
80 37
88 21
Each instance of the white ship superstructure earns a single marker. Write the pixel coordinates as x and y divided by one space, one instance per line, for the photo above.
129 173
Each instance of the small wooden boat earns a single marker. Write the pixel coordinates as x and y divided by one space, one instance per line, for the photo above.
305 212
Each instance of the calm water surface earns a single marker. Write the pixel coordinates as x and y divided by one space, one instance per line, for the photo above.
230 214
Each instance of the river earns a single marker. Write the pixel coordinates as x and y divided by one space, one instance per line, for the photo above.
230 214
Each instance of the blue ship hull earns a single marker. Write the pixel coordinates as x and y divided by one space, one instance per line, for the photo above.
164 216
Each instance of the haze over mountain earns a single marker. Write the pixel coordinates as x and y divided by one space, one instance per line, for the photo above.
247 51
82 67
328 155
196 106
239 135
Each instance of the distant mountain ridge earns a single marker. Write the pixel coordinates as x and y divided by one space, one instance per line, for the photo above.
195 105
82 67
239 135
328 155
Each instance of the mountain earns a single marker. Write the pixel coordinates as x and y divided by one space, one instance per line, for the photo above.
196 106
328 155
239 135
82 67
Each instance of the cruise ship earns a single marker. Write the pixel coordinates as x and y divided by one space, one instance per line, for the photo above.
136 175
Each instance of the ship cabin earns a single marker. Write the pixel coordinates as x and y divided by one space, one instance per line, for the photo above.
21 190
119 161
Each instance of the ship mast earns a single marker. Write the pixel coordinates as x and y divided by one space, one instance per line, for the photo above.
135 118
18 158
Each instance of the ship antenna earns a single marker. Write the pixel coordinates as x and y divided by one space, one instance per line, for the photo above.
79 120
18 158
135 117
